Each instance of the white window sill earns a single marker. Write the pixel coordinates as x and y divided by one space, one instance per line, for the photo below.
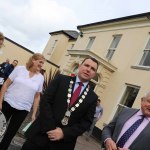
141 67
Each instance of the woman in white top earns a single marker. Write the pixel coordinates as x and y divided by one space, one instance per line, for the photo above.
1 52
20 92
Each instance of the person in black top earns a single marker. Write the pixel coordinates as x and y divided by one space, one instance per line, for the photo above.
7 71
10 68
4 65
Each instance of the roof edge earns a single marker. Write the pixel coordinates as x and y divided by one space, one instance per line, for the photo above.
29 51
19 45
64 32
147 14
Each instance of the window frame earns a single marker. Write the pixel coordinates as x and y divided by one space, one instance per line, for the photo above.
124 99
113 46
53 47
90 42
146 53
72 46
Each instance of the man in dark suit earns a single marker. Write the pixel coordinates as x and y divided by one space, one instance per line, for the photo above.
61 120
123 130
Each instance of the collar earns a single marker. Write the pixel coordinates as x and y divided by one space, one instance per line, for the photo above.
140 113
78 80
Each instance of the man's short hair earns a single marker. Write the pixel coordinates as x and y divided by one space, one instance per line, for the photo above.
93 59
15 60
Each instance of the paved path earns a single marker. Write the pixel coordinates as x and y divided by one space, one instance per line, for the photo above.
82 144
91 144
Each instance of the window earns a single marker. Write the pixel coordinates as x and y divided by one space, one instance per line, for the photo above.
72 45
113 46
128 97
53 46
90 43
145 61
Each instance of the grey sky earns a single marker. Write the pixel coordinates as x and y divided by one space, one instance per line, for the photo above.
28 22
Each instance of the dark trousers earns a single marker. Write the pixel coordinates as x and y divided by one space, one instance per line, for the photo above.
28 145
16 118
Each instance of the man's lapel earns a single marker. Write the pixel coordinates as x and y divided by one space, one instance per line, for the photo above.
74 81
123 117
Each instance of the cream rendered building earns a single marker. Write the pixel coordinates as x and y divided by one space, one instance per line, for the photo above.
59 42
14 51
122 47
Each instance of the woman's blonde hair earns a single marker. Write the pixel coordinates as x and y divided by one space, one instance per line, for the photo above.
35 56
2 36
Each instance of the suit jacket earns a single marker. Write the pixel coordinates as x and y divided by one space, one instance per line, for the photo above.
113 129
52 109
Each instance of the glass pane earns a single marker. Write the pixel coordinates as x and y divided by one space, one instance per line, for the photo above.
143 58
53 46
54 43
110 54
145 61
148 44
72 46
91 40
115 41
132 93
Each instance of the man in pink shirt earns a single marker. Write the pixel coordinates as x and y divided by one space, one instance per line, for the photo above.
120 130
